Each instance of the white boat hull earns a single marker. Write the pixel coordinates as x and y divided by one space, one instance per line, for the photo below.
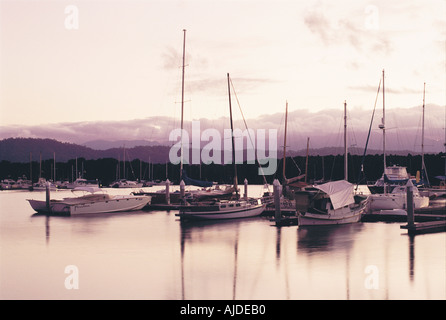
392 201
236 213
340 216
114 204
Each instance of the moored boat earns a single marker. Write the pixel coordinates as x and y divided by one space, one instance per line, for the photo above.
397 199
124 183
225 209
94 200
222 209
329 204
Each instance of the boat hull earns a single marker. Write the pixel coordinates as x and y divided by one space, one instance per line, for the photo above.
395 201
115 204
214 213
340 216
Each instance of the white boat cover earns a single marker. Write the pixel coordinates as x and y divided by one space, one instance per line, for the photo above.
340 192
87 189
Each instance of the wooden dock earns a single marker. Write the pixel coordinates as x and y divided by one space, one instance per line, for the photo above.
163 207
422 227
286 221
419 217
425 227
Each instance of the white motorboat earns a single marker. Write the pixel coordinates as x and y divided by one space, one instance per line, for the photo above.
7 184
41 185
397 199
330 203
23 183
393 176
124 183
94 200
79 182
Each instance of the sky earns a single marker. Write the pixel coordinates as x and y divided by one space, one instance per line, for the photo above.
85 70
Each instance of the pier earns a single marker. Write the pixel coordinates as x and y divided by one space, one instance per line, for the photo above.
425 227
422 227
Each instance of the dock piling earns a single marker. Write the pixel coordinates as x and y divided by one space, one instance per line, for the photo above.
245 194
423 227
182 190
410 205
278 213
48 197
167 191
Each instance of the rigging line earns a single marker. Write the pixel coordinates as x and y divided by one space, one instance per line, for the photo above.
249 135
368 135
131 167
297 166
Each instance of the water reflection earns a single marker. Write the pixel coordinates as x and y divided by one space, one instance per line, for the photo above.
152 255
327 238
411 257
222 235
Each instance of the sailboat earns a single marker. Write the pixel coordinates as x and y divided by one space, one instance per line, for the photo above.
209 188
333 202
224 209
393 175
396 177
423 183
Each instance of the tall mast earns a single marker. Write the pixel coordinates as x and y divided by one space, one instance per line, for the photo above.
284 142
345 143
182 104
31 167
306 161
422 138
232 138
54 157
383 127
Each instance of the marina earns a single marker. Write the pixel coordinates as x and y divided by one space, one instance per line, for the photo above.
152 254
134 169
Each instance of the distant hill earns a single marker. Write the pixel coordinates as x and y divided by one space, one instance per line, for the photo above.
20 149
106 144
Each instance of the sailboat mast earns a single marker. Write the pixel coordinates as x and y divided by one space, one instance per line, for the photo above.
384 127
422 137
54 159
232 138
284 142
345 143
31 167
182 104
306 161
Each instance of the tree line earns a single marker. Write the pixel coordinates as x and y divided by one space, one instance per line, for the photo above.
107 170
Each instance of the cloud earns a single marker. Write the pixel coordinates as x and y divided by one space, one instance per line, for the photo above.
170 58
401 90
350 31
319 25
325 128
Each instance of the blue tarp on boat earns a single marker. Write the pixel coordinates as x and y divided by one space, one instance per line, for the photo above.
194 182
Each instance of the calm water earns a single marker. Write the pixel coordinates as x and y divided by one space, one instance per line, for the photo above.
151 255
